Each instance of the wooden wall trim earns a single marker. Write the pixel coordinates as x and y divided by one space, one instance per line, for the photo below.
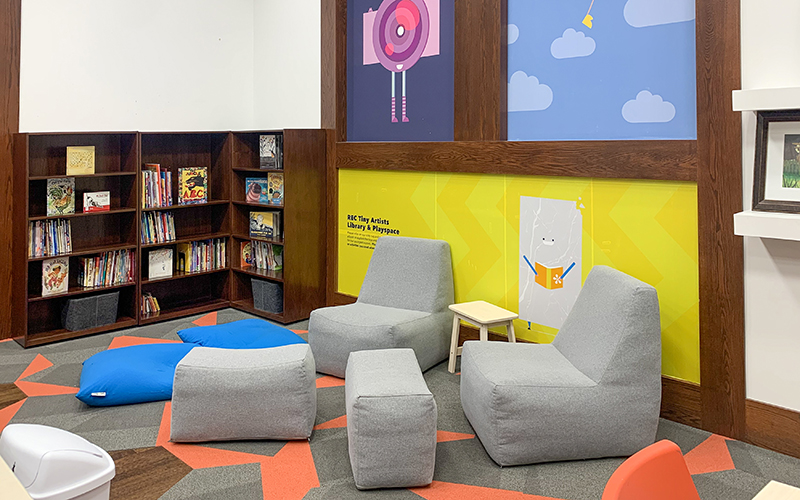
660 160
9 125
480 75
719 192
773 427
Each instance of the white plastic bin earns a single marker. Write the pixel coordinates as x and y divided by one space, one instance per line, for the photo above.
53 464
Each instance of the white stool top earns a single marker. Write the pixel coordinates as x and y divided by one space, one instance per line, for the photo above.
778 491
483 312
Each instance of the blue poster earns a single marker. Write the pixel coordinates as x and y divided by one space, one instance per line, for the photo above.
601 70
400 70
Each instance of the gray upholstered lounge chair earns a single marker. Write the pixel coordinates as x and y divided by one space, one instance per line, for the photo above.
403 303
594 392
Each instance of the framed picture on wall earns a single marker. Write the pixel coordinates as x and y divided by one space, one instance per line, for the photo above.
776 183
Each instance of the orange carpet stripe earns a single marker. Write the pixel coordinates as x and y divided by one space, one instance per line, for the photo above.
7 413
127 341
336 423
291 473
38 364
712 455
445 436
300 331
4 340
37 389
328 381
450 491
207 320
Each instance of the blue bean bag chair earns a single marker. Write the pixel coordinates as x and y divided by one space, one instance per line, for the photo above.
243 334
134 374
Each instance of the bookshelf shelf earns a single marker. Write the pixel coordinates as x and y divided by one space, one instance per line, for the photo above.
257 170
80 290
262 206
187 239
120 158
267 274
244 237
89 176
86 251
84 214
209 203
181 275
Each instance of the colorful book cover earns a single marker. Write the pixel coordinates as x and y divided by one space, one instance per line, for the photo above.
192 185
55 276
80 160
256 190
262 225
269 148
247 254
61 196
160 263
99 201
275 181
184 256
277 252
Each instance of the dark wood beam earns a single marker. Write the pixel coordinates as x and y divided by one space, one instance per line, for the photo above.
665 160
9 125
719 193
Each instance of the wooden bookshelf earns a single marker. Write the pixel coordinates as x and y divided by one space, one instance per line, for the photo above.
230 158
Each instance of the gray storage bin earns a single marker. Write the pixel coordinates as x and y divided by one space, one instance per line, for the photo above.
267 296
90 312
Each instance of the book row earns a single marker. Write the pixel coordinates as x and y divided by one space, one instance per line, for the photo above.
156 186
192 257
149 304
157 227
61 198
262 255
49 237
107 269
265 225
266 191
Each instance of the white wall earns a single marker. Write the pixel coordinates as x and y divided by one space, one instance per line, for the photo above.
169 65
770 41
287 63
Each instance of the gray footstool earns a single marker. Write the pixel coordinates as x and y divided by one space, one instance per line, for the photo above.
231 394
391 420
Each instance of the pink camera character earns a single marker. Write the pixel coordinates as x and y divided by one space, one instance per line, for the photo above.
397 35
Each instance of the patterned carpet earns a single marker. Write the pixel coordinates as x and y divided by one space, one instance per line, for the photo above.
38 386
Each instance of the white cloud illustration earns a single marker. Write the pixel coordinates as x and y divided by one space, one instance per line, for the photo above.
572 44
513 33
648 108
525 93
641 13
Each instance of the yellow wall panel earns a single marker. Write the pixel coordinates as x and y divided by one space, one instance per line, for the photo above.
647 229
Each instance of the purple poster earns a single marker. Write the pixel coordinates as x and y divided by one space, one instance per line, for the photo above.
400 70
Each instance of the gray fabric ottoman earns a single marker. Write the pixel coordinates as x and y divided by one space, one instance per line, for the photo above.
232 394
391 420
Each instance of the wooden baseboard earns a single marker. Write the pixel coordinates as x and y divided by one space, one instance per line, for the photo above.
773 427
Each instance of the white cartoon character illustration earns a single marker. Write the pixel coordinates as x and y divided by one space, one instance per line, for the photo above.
550 246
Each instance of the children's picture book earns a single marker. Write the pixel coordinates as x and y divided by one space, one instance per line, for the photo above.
264 224
256 190
98 201
275 181
269 149
80 160
55 276
61 196
247 254
159 263
192 185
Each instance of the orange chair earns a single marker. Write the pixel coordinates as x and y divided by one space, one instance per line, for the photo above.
657 472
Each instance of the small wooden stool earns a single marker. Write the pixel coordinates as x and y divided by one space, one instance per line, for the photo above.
483 315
